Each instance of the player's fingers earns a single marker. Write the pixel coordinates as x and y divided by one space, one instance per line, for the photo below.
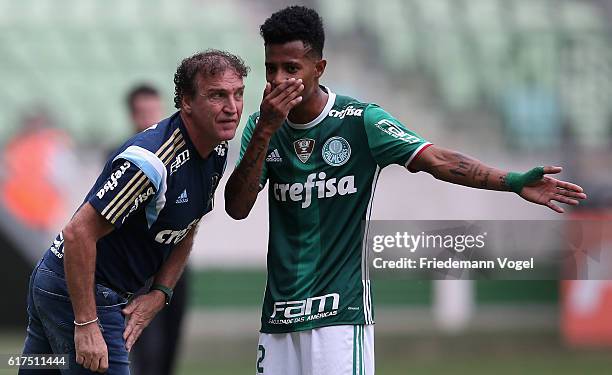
80 359
564 199
267 89
294 102
284 89
294 94
554 207
280 88
552 170
571 194
569 186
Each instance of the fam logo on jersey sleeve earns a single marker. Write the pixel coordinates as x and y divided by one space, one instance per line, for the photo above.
303 148
336 151
397 132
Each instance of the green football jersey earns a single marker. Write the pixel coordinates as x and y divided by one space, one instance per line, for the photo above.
322 177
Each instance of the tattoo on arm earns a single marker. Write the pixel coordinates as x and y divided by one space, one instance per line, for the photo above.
485 181
246 167
462 166
476 173
502 181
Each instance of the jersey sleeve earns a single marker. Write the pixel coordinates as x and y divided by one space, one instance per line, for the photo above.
135 182
246 138
389 140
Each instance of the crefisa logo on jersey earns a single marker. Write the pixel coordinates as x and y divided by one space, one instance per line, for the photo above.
113 180
322 186
141 198
336 151
169 236
348 111
303 148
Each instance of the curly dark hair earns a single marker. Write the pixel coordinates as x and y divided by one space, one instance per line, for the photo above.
295 23
208 63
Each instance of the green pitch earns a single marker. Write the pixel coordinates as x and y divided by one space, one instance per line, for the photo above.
524 353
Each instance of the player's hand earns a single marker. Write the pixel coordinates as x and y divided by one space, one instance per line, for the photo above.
90 347
277 103
549 189
140 312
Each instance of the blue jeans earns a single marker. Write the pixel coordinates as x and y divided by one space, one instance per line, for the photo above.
51 328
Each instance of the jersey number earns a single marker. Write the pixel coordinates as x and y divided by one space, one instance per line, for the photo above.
261 349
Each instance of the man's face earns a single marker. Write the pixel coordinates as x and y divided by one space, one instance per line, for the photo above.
217 105
146 111
293 60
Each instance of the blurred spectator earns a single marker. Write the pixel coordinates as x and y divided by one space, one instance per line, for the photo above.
155 351
36 160
145 106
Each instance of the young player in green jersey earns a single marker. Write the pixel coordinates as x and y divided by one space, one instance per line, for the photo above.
321 153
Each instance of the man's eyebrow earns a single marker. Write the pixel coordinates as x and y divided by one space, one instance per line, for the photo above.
223 90
216 89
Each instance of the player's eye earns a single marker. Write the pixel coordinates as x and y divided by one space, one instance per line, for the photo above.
292 69
239 95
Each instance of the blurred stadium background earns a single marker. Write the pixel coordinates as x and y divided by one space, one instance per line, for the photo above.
511 82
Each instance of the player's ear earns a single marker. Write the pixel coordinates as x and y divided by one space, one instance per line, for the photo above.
320 68
186 104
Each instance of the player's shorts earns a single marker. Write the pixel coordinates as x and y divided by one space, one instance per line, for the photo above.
337 350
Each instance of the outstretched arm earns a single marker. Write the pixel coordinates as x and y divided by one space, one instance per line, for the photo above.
533 186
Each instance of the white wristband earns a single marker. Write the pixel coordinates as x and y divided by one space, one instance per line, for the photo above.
85 323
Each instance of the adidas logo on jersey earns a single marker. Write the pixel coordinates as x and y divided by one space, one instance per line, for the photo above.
274 157
348 111
183 198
